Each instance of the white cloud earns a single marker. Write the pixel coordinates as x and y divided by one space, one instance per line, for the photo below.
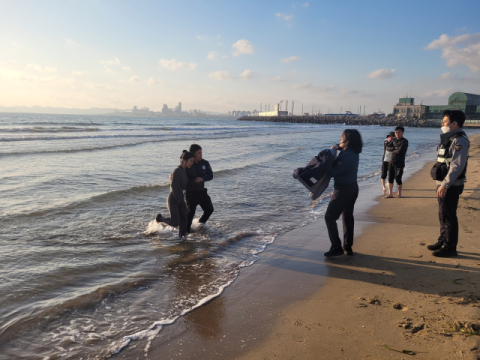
224 56
152 81
212 55
220 75
110 71
133 79
126 68
201 37
98 86
437 94
243 47
455 54
79 73
71 42
275 79
306 4
115 61
284 16
247 74
313 88
41 68
381 74
174 64
291 58
447 76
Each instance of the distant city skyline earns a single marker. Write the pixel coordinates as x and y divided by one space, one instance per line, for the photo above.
221 57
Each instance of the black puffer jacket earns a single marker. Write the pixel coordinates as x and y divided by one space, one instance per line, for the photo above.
398 147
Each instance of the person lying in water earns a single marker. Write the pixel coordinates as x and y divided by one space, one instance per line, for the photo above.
176 200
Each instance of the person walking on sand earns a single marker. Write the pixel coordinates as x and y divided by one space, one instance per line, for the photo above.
175 200
449 173
342 202
398 147
196 193
387 156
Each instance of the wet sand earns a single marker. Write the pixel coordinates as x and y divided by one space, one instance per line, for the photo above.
295 304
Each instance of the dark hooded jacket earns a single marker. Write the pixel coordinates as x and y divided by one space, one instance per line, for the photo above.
317 174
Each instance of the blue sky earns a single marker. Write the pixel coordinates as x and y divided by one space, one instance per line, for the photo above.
222 56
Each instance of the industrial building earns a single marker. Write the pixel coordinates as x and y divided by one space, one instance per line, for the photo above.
275 112
468 103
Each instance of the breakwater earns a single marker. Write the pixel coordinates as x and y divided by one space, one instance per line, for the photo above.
347 120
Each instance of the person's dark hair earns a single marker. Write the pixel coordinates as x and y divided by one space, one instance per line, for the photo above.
186 155
401 128
355 141
457 116
194 148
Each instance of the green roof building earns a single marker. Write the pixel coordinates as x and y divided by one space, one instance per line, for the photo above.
468 103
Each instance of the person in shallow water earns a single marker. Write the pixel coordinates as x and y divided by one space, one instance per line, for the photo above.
196 193
175 200
342 202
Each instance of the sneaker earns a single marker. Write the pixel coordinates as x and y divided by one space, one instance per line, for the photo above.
445 252
159 218
348 250
334 252
435 246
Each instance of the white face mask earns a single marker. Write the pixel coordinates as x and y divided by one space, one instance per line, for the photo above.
445 129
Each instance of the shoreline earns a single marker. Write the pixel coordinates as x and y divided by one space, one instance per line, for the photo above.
355 120
293 301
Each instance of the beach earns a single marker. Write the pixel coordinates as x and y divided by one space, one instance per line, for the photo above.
388 301
89 274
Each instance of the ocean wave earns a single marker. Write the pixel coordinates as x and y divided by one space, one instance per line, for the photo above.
40 129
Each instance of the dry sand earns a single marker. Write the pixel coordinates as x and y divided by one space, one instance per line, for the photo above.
393 292
295 304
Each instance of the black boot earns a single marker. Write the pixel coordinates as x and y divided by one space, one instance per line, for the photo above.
348 250
435 246
445 252
334 252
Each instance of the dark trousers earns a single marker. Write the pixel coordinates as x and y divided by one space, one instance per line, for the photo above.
342 203
201 198
396 173
447 214
178 215
384 170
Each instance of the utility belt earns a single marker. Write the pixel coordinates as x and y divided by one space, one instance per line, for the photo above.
440 170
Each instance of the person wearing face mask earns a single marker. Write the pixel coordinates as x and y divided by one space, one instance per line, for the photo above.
449 173
342 202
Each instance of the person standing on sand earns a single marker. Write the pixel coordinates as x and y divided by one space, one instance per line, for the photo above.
342 202
387 156
196 193
175 200
449 173
398 147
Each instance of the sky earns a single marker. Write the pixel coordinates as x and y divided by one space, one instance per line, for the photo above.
220 56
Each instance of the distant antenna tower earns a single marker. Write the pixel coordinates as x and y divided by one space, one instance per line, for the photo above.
302 110
292 107
286 106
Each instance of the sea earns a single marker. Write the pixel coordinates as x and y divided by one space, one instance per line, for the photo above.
84 268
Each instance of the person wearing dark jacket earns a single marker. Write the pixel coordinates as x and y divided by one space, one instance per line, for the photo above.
398 147
175 200
452 158
342 202
196 193
387 155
